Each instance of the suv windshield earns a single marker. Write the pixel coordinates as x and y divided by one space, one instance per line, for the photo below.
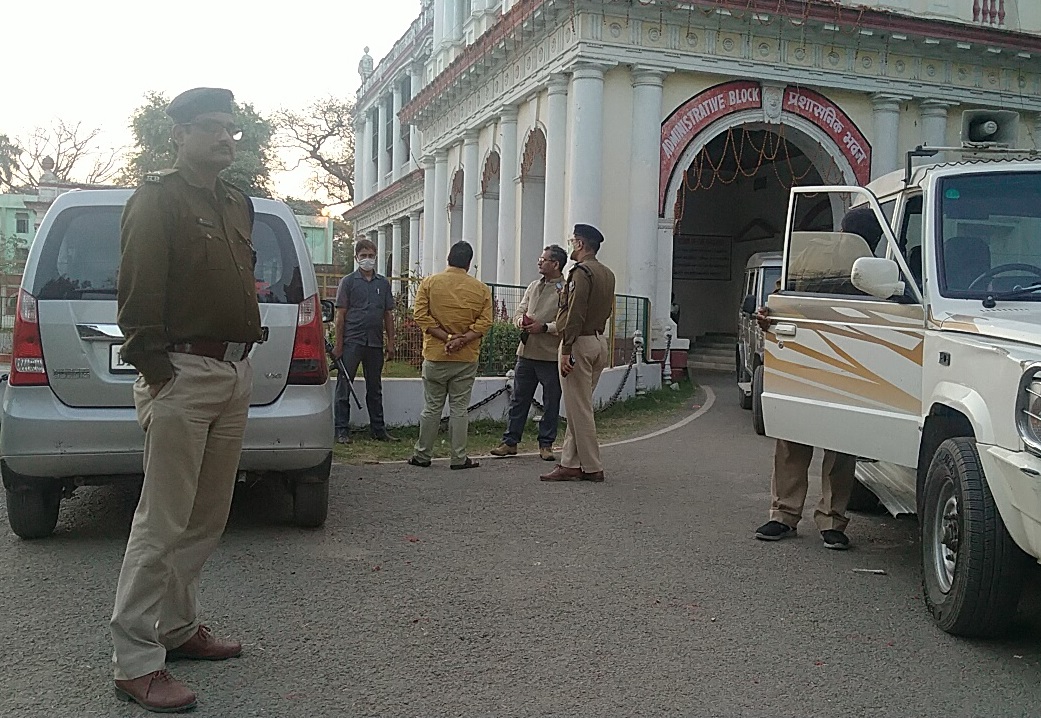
989 234
80 259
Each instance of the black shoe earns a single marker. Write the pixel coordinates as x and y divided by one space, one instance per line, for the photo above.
468 464
835 539
343 438
774 531
413 461
385 437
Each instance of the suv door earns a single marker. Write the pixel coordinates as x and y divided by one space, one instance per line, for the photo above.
843 370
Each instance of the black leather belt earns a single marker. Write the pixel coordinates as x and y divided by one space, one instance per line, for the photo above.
223 351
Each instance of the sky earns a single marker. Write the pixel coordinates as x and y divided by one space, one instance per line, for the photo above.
93 62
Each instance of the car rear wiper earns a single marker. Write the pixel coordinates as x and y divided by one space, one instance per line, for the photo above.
1011 294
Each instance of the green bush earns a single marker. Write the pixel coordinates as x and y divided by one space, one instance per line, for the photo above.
499 349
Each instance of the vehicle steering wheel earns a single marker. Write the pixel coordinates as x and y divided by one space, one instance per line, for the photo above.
1001 269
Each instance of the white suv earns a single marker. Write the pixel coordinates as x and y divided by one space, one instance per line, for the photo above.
923 356
68 414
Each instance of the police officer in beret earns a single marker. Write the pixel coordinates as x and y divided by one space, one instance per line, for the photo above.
188 310
586 304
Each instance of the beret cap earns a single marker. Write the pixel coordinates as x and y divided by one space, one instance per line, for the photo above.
589 232
199 100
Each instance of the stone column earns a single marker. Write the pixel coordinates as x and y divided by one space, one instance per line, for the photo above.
934 126
585 169
556 159
366 155
644 156
381 155
414 258
428 215
439 217
471 188
661 299
509 168
381 249
885 154
395 251
413 131
359 165
397 156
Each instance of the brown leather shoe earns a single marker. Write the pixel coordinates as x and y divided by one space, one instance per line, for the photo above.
504 449
546 453
593 476
562 473
204 646
157 691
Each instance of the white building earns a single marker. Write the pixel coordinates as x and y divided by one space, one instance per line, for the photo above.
676 127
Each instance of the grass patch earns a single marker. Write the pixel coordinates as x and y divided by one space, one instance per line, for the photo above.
623 420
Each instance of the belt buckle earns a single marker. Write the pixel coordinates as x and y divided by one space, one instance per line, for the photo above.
235 351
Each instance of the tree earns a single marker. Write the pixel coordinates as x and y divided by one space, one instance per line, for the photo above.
322 137
69 152
155 150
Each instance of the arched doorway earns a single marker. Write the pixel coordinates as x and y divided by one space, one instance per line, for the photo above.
489 220
733 203
533 205
455 209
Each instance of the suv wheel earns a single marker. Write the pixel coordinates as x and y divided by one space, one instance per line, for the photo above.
972 569
310 489
33 513
757 401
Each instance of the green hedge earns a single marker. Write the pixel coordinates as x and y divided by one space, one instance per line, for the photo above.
499 349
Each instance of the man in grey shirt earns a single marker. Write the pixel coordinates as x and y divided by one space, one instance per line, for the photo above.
364 309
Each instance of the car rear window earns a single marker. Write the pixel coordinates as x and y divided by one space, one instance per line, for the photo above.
80 257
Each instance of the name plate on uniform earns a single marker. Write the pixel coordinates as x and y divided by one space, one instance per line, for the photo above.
115 362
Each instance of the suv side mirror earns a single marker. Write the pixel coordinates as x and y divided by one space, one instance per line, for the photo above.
328 310
748 306
877 276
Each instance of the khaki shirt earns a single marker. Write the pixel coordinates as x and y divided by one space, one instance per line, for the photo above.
456 302
586 303
540 302
185 271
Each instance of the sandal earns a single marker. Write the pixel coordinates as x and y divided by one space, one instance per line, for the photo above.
468 464
413 461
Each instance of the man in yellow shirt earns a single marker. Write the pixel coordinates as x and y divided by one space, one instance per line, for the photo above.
454 310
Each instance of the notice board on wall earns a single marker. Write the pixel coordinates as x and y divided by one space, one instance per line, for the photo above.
702 256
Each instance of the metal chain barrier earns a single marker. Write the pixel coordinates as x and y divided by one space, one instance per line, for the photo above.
625 378
486 400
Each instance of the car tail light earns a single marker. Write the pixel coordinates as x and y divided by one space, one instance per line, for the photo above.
27 367
309 365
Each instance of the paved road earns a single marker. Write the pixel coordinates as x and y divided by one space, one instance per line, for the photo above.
486 593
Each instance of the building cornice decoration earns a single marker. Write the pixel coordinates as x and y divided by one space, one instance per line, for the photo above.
378 204
402 55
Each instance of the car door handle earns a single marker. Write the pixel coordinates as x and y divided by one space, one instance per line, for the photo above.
784 330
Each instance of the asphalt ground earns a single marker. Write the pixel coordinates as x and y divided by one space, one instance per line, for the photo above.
488 593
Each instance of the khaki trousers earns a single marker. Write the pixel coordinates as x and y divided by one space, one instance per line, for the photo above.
581 449
454 380
791 481
193 439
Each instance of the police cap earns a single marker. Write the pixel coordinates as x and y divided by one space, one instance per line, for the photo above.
589 234
198 101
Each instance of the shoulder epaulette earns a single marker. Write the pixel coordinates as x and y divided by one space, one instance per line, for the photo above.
584 268
158 176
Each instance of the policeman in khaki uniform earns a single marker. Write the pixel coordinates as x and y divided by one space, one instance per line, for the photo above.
586 304
188 309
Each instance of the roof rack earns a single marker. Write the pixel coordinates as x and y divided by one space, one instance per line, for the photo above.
968 147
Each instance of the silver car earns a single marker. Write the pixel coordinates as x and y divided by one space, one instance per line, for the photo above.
68 415
762 273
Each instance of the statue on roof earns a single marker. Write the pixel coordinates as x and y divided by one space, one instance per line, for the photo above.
365 66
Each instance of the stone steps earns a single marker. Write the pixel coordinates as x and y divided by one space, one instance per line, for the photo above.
713 352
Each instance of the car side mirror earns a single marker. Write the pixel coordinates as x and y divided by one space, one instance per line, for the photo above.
748 306
328 310
877 276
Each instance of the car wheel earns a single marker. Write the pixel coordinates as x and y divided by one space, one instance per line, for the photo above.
757 401
310 504
33 513
862 498
972 569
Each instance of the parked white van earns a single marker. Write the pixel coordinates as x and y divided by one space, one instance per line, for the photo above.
923 356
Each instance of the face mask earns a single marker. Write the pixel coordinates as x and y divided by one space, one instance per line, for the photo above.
368 264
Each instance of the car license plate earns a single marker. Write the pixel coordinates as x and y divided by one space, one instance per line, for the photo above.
115 362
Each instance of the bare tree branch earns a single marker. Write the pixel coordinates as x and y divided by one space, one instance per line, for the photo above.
323 136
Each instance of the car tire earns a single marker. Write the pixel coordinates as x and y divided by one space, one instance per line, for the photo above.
972 569
33 513
862 499
757 401
310 489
